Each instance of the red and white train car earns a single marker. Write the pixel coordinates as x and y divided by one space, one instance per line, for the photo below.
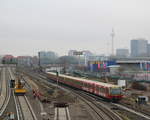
105 90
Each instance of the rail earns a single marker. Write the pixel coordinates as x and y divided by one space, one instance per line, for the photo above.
5 92
102 112
23 107
132 111
62 113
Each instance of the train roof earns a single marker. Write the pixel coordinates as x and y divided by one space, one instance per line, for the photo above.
89 81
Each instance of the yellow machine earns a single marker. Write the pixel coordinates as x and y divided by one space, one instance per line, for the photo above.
19 88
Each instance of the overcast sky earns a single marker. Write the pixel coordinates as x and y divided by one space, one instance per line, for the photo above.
28 26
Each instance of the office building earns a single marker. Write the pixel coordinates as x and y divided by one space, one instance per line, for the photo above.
139 48
24 60
71 52
122 52
47 57
148 50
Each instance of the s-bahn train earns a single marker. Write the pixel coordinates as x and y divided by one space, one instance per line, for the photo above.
105 90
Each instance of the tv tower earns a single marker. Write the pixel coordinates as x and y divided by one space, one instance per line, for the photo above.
112 35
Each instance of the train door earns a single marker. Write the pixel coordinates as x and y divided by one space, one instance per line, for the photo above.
97 90
88 87
107 91
80 84
92 88
102 91
85 87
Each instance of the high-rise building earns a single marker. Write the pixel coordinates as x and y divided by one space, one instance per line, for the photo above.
148 50
122 52
46 57
139 48
24 60
71 52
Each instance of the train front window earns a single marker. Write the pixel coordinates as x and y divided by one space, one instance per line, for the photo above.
115 91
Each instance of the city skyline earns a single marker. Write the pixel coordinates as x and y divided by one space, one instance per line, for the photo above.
31 26
80 50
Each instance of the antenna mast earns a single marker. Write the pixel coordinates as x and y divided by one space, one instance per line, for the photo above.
113 35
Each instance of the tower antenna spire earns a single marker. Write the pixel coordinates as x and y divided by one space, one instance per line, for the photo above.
112 44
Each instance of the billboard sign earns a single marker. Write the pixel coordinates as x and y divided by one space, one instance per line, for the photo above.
78 53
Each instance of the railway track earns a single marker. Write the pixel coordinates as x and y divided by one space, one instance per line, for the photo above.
141 114
1 80
100 110
23 107
5 91
62 113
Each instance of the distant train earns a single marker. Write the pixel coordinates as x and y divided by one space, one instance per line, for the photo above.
105 90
